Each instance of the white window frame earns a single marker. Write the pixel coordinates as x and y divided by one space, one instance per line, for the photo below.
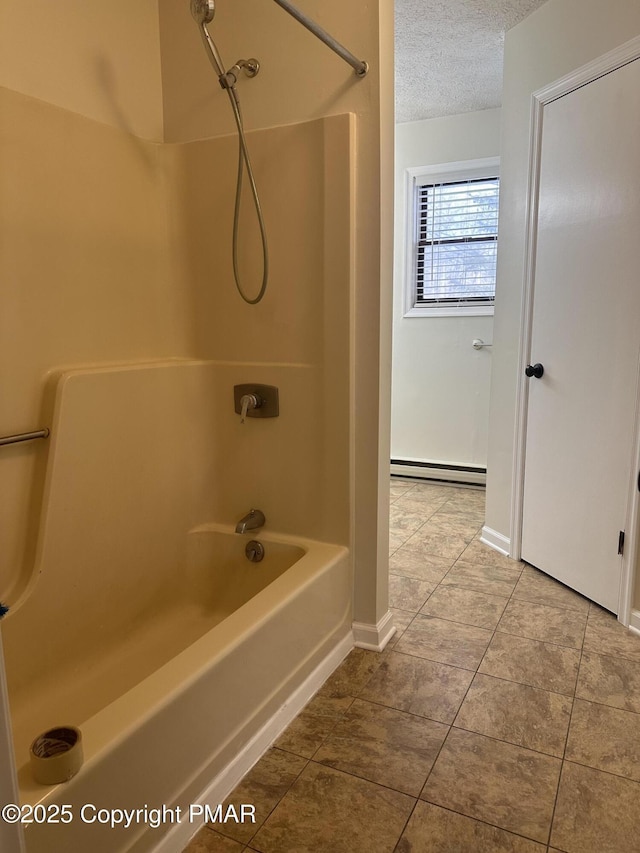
415 176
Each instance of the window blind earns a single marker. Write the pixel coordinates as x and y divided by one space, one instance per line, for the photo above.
457 242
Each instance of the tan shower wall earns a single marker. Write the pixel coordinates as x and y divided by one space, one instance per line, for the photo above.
287 325
98 59
84 278
295 468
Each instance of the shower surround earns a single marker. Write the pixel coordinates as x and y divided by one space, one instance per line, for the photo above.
115 219
146 445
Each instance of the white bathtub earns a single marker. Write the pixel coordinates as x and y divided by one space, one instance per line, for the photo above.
166 709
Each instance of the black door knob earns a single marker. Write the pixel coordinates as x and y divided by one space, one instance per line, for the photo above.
534 370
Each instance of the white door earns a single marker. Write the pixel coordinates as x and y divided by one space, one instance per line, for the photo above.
586 335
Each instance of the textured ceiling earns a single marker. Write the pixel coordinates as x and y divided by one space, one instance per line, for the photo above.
449 54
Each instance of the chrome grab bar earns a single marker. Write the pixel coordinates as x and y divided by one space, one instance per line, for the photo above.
24 436
358 65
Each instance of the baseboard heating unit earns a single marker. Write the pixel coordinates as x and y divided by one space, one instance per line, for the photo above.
465 475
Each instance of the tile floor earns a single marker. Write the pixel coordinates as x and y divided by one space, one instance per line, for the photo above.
504 717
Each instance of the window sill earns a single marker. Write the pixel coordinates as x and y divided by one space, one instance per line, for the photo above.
451 311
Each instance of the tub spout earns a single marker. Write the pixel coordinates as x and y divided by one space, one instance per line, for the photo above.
253 520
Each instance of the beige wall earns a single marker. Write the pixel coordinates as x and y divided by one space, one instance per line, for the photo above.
559 37
101 60
382 342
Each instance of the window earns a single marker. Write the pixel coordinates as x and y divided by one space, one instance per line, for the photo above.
454 245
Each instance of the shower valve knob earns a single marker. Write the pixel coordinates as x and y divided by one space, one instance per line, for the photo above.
256 401
249 401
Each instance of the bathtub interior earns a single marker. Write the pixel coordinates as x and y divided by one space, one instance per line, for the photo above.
219 578
215 581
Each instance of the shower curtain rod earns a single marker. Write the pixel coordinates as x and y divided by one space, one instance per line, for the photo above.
358 65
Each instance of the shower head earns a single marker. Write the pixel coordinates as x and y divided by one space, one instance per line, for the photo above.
203 11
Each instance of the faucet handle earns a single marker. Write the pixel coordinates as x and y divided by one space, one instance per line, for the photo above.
249 401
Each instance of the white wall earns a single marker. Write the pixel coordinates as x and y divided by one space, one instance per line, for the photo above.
440 390
559 37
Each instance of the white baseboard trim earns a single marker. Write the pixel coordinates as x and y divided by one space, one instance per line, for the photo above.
634 622
439 471
220 788
496 540
374 637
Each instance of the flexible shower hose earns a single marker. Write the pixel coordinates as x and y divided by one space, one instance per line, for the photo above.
244 161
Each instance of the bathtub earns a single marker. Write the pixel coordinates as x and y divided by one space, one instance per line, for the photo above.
169 708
